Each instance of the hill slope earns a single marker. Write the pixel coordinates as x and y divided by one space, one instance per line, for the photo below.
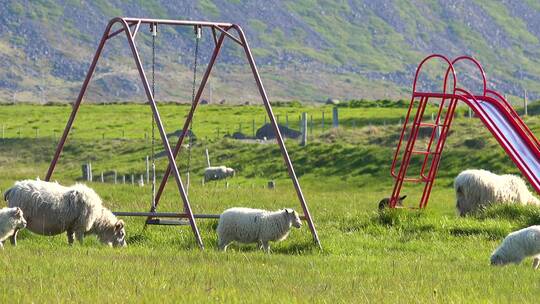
307 49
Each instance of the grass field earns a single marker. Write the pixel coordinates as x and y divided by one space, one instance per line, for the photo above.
401 256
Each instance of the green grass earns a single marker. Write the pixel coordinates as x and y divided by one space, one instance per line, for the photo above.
395 256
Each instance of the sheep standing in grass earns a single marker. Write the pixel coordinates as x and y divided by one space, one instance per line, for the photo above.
476 189
216 173
247 225
385 202
50 209
11 221
517 246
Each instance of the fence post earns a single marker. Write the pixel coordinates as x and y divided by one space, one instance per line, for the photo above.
102 177
525 103
132 179
115 177
311 125
85 172
123 179
207 158
147 170
303 142
335 118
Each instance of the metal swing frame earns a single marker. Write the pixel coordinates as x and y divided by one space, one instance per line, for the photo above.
220 31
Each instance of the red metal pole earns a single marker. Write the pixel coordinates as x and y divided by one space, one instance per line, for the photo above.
163 134
77 103
279 138
190 115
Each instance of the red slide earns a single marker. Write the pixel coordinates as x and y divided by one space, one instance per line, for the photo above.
491 107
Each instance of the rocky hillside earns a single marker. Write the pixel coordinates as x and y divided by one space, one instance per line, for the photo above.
306 49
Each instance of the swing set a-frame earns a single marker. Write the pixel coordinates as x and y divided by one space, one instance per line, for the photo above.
219 31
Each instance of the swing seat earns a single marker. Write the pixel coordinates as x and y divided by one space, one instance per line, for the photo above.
167 222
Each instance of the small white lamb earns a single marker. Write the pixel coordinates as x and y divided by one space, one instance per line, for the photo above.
517 246
247 225
11 221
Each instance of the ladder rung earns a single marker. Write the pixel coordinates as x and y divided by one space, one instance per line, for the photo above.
429 124
420 152
169 222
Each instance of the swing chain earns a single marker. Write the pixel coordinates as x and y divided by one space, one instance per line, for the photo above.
198 34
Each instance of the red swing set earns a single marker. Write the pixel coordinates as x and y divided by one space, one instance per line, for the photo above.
220 31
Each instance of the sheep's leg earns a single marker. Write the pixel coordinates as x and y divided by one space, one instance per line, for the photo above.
266 246
222 245
1 245
13 237
536 262
70 237
80 236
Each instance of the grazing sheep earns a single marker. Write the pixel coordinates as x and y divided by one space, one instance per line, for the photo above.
476 189
247 225
215 173
385 202
50 209
11 221
517 246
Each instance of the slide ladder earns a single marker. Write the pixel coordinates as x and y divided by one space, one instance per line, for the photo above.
415 164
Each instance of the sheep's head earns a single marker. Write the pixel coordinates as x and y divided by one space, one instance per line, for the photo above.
230 172
497 260
18 218
385 202
293 218
115 235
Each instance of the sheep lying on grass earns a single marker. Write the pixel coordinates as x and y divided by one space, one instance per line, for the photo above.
51 209
247 225
11 220
385 202
517 246
475 189
216 173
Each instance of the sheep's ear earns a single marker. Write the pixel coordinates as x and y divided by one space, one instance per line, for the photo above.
119 225
18 212
286 211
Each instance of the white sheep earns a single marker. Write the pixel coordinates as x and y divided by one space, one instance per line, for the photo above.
476 189
247 225
50 209
11 221
215 173
517 246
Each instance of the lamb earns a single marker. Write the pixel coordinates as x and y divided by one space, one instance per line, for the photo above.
517 246
11 221
51 209
247 225
385 202
216 173
476 189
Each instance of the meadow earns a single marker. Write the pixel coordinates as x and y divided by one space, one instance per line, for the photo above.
367 256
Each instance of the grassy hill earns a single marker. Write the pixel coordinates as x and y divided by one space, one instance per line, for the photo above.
308 50
402 256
